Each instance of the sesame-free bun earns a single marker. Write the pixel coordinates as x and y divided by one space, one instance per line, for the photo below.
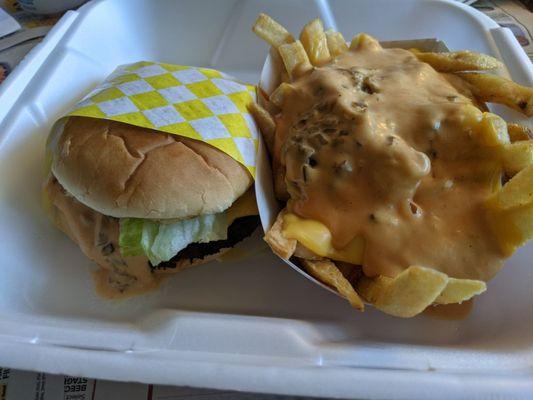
123 170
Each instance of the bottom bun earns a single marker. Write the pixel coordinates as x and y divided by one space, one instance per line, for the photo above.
103 276
118 276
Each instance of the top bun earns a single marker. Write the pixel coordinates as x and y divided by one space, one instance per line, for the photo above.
122 171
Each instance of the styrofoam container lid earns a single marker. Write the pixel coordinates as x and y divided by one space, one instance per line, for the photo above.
252 324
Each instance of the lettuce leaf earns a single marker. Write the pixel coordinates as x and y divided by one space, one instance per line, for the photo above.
162 241
129 239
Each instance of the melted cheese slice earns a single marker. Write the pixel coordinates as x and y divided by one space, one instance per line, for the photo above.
316 237
244 206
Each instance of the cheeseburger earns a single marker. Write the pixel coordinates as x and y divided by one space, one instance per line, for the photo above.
143 204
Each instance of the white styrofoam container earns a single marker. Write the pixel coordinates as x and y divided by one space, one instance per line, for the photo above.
254 324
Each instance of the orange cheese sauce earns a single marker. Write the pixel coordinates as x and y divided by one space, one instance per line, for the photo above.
379 144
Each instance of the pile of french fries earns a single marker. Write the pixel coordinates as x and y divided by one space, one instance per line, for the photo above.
509 210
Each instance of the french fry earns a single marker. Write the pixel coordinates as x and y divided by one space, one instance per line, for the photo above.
517 156
459 290
277 65
464 88
362 40
350 271
457 61
521 221
284 76
516 193
270 31
495 89
512 227
328 273
277 96
336 43
510 211
280 186
266 124
303 252
279 244
263 101
314 41
294 58
492 130
406 295
519 132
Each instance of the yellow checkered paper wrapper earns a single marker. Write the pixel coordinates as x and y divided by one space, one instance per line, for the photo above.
198 103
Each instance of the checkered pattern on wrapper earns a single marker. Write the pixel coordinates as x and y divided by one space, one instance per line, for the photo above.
198 103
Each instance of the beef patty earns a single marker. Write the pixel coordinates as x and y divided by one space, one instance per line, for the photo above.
240 229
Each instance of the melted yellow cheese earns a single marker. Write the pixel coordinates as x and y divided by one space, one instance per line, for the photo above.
316 237
244 206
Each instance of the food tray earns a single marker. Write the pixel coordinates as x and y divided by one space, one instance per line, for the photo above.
253 324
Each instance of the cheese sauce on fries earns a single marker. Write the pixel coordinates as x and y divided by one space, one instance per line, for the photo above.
379 145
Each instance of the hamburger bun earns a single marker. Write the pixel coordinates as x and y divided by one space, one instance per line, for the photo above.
125 171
